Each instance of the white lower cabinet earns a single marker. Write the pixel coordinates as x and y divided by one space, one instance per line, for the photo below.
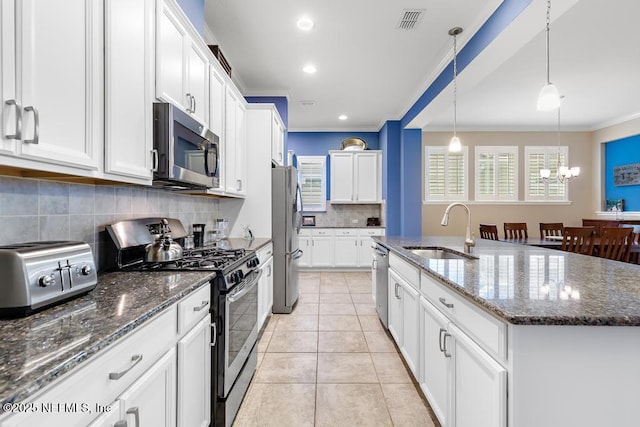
265 285
337 247
345 248
194 376
151 400
322 251
403 318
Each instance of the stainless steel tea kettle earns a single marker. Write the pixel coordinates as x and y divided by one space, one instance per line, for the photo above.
163 249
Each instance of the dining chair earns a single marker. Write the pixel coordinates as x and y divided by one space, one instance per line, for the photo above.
489 231
616 243
515 230
579 240
551 229
599 224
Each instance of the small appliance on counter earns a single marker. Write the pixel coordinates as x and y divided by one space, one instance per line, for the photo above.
37 275
373 222
220 229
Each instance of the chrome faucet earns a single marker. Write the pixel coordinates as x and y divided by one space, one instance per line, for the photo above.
468 241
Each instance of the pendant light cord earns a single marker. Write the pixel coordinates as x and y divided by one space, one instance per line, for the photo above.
548 22
455 84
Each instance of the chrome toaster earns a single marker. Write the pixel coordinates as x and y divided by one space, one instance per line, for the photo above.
36 275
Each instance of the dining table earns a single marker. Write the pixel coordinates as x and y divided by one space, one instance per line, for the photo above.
555 242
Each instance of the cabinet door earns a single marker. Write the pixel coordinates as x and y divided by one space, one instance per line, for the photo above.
10 108
151 400
216 101
479 385
194 376
367 177
277 141
129 87
241 147
110 418
229 144
410 326
171 67
435 365
265 292
60 70
341 177
364 251
198 82
306 248
345 251
395 307
322 254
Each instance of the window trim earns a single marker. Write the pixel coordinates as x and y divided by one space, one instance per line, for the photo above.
427 198
496 150
322 161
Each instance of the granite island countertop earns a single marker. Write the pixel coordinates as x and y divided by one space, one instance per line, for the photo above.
533 286
39 349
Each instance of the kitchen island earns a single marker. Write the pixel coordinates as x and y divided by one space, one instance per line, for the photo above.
516 335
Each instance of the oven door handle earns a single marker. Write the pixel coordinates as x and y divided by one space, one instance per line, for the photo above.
246 288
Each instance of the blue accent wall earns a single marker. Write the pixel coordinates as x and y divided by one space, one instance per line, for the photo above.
194 9
411 184
319 143
391 176
618 153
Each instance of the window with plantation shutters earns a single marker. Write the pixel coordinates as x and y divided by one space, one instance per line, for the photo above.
496 173
312 178
537 158
446 175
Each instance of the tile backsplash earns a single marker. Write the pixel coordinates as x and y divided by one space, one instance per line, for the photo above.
36 210
339 215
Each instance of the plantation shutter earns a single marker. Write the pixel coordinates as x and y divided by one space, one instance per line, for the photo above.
446 174
312 180
544 158
496 173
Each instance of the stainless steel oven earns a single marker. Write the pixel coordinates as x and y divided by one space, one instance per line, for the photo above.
186 153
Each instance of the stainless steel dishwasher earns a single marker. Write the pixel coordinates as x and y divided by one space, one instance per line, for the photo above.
380 271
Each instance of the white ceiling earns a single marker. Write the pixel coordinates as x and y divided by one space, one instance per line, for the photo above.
373 72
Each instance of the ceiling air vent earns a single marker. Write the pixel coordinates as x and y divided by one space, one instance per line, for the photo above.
307 103
410 18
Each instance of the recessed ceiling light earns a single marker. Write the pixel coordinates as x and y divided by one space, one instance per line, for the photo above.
305 23
309 69
342 117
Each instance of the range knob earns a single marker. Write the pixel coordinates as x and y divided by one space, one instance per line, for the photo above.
86 270
45 281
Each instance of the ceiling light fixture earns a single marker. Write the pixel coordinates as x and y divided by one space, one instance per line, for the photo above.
305 23
309 69
549 97
563 173
342 117
455 145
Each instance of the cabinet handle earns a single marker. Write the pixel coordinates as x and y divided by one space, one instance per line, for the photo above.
154 160
16 135
121 423
136 414
445 303
239 182
190 103
36 125
201 306
440 339
444 342
269 269
195 104
374 264
136 358
396 291
215 335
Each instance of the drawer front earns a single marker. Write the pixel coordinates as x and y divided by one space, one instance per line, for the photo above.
265 252
410 273
489 332
305 232
345 232
193 308
322 232
371 231
91 385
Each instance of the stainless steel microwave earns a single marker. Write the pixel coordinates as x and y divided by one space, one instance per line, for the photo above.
186 153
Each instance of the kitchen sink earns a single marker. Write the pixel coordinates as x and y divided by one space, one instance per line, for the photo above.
435 252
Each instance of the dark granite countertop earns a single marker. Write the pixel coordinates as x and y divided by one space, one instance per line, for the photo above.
533 286
39 349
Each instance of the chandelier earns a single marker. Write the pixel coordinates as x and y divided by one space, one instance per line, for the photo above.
563 173
455 145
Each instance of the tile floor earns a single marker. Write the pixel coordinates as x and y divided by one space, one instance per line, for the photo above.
330 363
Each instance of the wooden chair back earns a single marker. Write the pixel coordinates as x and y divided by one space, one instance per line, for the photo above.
489 231
551 229
578 240
615 243
599 224
515 230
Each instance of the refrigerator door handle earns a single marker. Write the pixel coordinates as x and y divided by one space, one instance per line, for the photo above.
297 254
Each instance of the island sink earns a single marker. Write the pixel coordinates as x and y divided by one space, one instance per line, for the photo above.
436 252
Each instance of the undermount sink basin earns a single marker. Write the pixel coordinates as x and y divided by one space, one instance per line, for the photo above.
434 252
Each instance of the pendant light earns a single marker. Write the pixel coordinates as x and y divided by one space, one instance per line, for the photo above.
563 173
455 145
549 97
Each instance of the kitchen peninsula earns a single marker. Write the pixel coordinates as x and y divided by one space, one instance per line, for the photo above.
516 335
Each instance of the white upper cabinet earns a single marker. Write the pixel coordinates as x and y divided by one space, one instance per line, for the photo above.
235 143
216 101
277 140
182 68
129 65
52 85
356 177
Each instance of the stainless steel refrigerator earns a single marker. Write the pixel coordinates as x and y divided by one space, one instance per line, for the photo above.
287 219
